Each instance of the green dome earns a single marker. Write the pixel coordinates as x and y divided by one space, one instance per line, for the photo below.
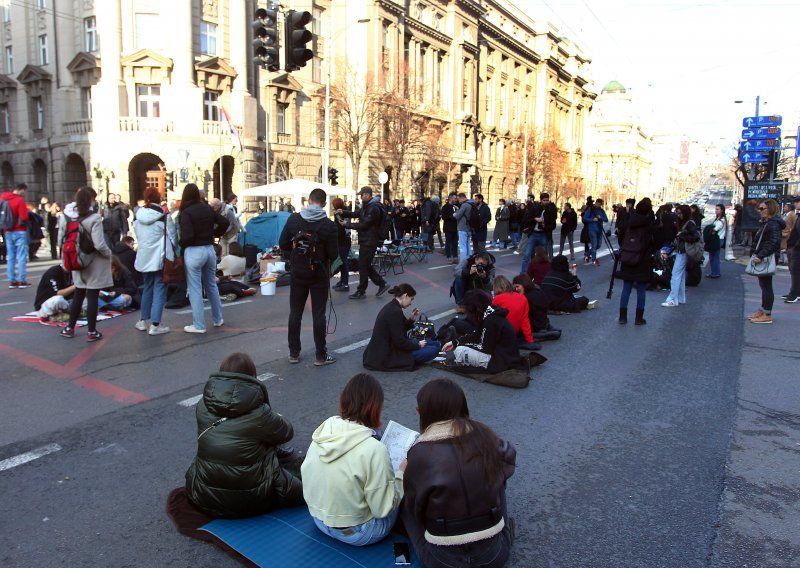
614 87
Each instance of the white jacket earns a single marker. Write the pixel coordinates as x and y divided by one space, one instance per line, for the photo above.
148 225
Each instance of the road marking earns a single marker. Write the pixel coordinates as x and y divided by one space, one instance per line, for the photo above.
266 376
442 315
28 456
11 304
352 346
442 266
240 302
191 401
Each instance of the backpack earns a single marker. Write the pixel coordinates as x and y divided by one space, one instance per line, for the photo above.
7 219
634 246
711 238
305 259
474 220
77 248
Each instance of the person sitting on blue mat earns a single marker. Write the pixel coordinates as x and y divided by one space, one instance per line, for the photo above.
236 472
454 508
351 489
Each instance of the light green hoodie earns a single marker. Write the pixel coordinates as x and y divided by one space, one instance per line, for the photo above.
347 475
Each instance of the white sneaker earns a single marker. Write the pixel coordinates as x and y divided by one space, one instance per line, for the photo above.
670 304
193 329
141 325
591 305
158 329
219 323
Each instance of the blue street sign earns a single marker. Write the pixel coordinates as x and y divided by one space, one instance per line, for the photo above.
753 158
768 132
759 144
755 121
797 143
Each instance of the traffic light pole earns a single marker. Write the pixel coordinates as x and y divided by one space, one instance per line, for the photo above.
326 155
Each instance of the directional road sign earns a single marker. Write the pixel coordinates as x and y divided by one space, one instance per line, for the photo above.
759 144
755 121
753 158
765 132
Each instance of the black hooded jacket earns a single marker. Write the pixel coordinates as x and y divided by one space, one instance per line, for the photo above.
495 337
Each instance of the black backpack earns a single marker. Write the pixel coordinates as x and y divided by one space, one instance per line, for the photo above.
306 256
7 219
634 246
474 220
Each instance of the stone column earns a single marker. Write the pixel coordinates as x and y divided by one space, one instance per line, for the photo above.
181 28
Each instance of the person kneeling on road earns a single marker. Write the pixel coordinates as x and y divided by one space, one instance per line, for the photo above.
390 348
476 274
492 348
237 472
561 284
54 293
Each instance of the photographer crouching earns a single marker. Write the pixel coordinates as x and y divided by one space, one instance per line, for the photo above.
477 274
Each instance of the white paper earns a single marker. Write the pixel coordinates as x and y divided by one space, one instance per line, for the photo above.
397 438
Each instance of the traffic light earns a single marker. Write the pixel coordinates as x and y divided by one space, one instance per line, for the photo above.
265 38
296 38
170 181
772 163
332 176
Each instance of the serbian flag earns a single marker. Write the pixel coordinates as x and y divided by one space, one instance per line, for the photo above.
232 132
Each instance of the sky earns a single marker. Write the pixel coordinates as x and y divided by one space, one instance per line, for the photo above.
686 62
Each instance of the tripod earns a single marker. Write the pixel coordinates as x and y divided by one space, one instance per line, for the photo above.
615 256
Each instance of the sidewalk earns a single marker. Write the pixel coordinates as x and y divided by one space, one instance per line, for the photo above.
759 513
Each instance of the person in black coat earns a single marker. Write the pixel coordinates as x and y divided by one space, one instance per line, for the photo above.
636 257
344 244
767 243
389 348
538 303
493 348
370 229
560 285
450 228
569 222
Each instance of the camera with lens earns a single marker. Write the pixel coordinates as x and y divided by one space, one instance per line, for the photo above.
480 269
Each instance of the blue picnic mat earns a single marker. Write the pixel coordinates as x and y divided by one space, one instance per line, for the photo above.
289 537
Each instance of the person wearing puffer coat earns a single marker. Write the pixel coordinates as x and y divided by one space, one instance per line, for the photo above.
236 472
150 224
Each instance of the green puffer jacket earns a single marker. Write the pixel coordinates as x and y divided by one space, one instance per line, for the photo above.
236 471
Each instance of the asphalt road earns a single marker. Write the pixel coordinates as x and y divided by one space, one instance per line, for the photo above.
622 436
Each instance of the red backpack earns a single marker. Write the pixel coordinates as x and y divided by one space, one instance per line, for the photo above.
77 248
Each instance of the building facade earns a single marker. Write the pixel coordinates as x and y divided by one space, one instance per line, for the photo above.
122 94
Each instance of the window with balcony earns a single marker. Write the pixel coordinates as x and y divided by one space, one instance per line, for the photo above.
281 113
211 106
146 31
148 101
86 102
5 119
208 38
90 34
44 56
9 59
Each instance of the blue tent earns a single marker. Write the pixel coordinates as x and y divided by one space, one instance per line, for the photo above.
264 230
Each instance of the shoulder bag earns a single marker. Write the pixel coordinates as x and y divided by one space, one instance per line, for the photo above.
766 267
173 271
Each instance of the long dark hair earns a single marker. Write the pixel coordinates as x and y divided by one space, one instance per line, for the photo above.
443 399
475 304
191 195
83 200
362 400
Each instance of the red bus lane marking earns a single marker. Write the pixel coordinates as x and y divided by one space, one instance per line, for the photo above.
85 354
56 371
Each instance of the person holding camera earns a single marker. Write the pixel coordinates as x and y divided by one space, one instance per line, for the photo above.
310 240
390 347
477 274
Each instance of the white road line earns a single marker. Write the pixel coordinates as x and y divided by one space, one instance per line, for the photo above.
266 376
237 303
11 304
191 401
442 315
442 266
352 346
28 456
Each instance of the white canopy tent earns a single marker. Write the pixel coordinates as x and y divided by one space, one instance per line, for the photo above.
298 190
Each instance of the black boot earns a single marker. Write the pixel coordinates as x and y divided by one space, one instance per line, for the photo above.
623 315
640 317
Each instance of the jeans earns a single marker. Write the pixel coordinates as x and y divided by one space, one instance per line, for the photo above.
116 303
201 267
372 531
767 295
627 288
569 237
714 261
464 247
154 296
16 255
367 272
677 291
595 241
299 291
427 353
535 239
344 276
515 235
451 244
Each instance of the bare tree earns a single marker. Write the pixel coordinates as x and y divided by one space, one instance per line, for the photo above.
547 165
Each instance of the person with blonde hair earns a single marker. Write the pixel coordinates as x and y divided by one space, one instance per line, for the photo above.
506 296
767 243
